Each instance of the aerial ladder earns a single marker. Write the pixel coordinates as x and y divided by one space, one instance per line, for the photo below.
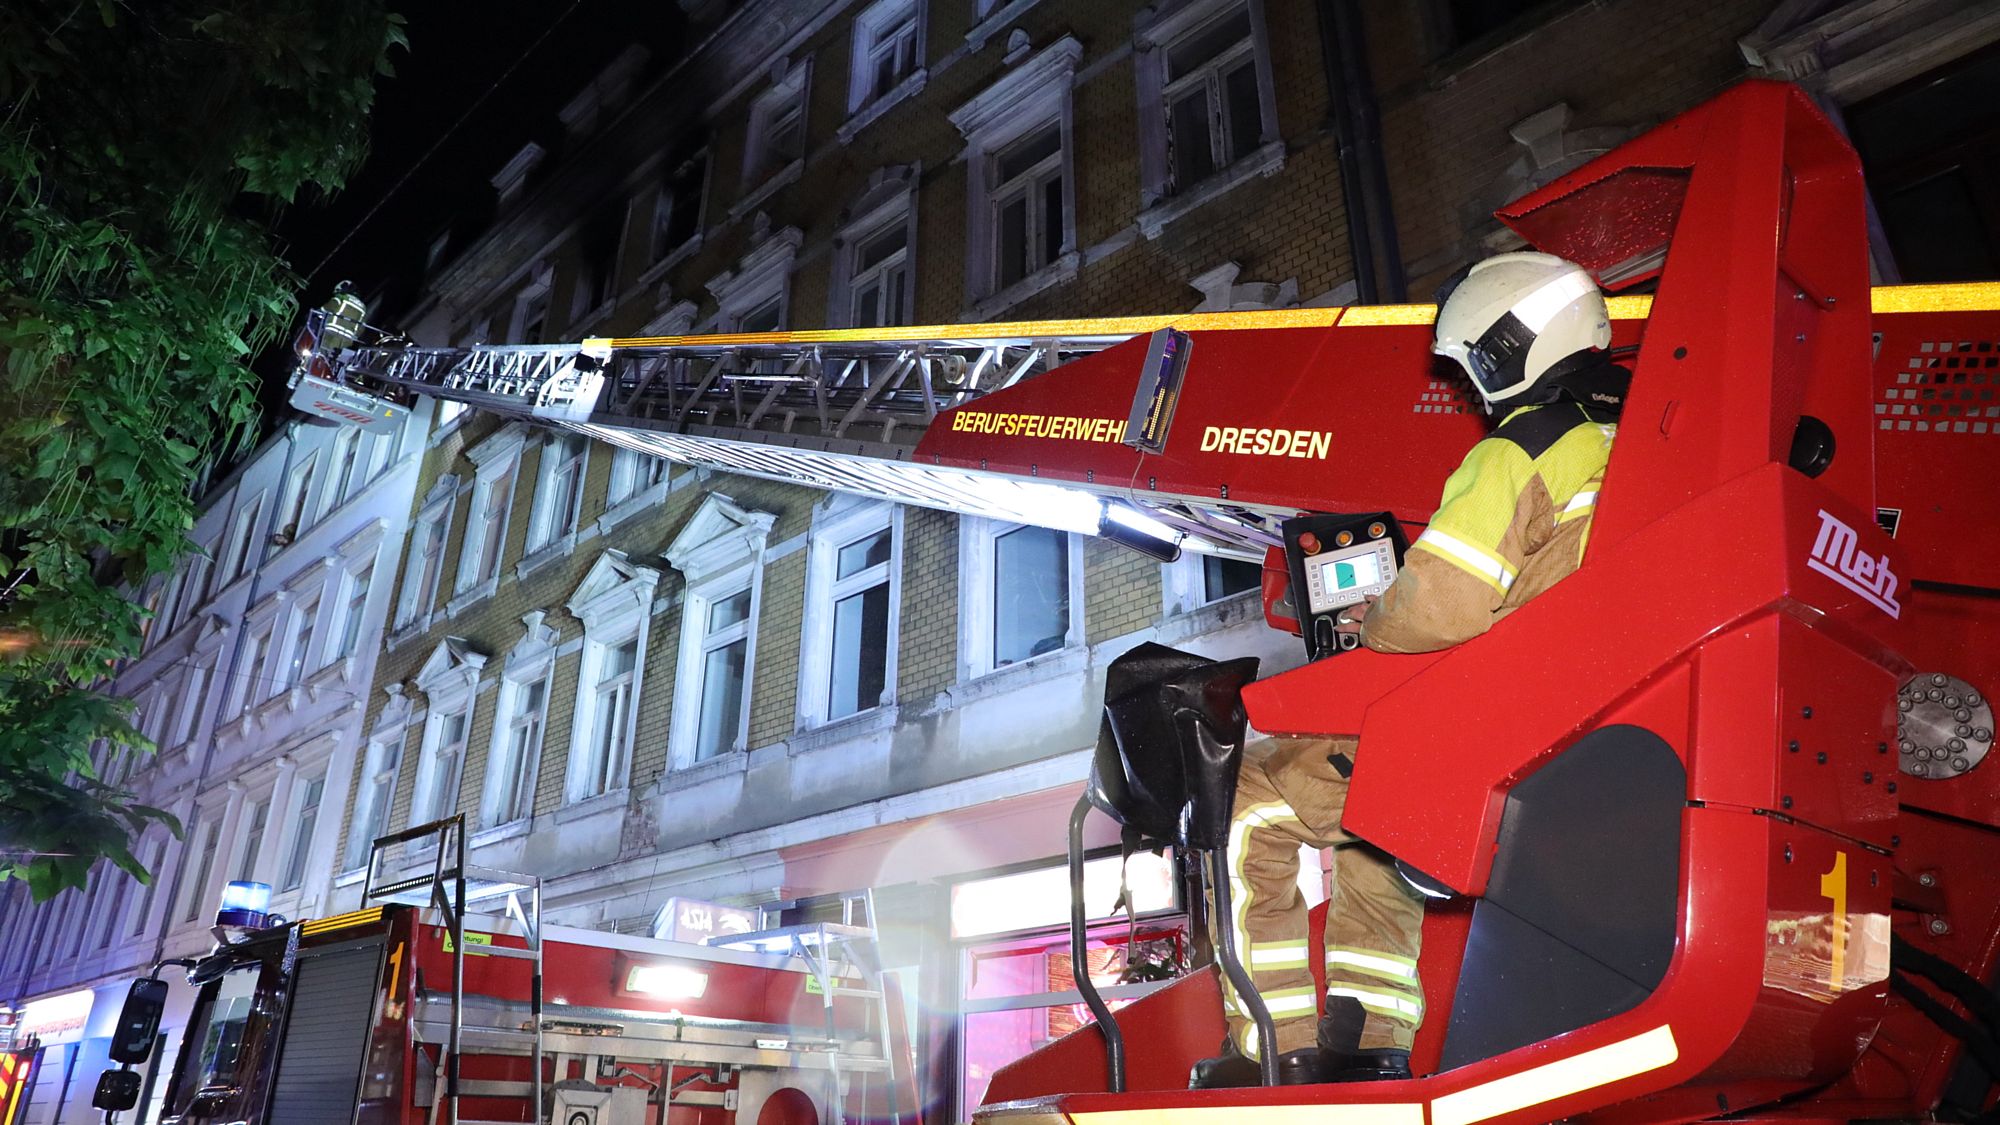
1717 847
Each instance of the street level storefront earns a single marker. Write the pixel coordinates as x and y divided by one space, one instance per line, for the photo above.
62 1042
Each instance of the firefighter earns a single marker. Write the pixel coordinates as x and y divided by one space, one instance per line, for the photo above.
342 313
1531 331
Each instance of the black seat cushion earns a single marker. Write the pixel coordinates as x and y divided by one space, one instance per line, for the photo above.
1169 744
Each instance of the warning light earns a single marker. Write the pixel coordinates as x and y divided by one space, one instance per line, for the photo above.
1376 530
671 982
244 904
1343 539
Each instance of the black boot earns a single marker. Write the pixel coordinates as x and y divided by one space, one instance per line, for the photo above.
1340 1027
1382 1065
1231 1069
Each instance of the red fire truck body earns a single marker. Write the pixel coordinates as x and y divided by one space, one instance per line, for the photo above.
314 1019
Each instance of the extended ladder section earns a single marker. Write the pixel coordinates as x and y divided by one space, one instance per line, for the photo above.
424 866
838 954
838 410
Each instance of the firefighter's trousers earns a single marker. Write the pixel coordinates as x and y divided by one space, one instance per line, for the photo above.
1290 792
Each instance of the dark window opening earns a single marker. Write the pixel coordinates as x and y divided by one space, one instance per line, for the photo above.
1931 152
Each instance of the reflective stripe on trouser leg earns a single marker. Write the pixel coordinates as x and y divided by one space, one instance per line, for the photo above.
1268 915
1374 935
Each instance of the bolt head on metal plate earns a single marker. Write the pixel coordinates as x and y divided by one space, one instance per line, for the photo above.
1944 726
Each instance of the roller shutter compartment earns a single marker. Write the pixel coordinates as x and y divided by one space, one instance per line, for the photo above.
319 1068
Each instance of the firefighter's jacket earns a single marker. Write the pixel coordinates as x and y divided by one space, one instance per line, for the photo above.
1514 520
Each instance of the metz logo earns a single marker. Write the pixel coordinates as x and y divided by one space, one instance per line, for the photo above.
1837 554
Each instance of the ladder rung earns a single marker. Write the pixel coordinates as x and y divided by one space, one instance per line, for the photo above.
502 951
870 993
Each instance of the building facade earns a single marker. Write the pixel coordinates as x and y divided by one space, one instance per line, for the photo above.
649 684
258 656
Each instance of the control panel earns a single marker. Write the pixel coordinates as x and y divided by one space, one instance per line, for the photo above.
1337 561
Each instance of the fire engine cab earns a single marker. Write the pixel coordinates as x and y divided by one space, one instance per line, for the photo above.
447 999
1709 815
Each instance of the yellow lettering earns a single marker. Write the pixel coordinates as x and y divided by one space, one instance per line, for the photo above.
1322 445
1833 886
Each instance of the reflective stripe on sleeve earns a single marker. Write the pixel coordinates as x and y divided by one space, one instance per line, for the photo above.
1484 565
1578 505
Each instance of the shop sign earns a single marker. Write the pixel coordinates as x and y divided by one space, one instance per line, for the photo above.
56 1019
691 920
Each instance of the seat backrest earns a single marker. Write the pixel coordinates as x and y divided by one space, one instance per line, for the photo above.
1169 745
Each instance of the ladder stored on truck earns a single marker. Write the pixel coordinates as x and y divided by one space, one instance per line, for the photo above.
836 953
453 888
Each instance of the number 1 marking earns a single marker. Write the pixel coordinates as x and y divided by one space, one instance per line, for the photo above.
1833 886
395 969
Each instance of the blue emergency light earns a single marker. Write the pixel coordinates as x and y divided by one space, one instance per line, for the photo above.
244 904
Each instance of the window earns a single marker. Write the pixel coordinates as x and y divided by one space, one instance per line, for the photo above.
1028 214
677 209
1020 189
611 724
145 911
886 46
292 516
449 411
777 134
181 727
1032 608
852 583
114 910
1466 20
721 552
449 680
752 297
1022 594
353 612
299 652
377 790
769 316
1206 99
1222 578
242 538
426 561
203 866
614 601
880 285
251 684
258 818
524 707
531 311
633 472
348 468
1213 117
445 736
497 460
597 251
194 585
559 492
305 822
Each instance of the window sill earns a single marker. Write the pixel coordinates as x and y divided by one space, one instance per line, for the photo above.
866 115
545 554
722 765
500 833
409 631
668 261
350 878
1060 663
576 809
875 720
234 729
468 598
1266 161
632 505
1061 270
996 21
778 179
338 672
1231 609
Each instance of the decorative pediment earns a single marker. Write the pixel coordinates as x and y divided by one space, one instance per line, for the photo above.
445 488
1043 76
887 187
614 583
720 534
396 712
536 646
452 666
760 273
498 444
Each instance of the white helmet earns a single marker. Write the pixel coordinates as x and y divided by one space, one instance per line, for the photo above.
1515 320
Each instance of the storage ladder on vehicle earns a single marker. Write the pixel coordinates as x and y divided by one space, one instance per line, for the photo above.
835 952
454 889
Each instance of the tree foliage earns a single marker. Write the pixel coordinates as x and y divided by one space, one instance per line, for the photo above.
144 149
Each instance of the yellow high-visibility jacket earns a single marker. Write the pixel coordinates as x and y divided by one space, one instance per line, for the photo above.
1514 521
